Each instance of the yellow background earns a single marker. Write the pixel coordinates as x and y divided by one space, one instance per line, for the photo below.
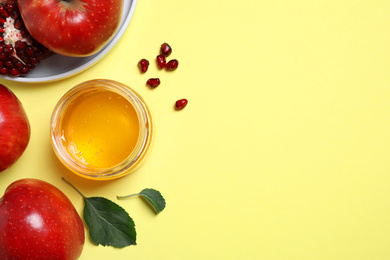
282 151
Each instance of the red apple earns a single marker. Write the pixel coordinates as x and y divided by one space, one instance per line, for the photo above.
38 221
72 27
14 128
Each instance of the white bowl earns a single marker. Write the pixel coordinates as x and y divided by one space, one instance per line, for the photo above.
59 67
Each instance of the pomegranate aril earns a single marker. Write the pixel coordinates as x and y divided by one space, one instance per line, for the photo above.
10 8
161 61
19 24
9 49
14 72
4 12
143 65
181 103
3 71
153 82
24 70
172 65
30 66
19 64
19 45
33 60
165 49
3 56
29 51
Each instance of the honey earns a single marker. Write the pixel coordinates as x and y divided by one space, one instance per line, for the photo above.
101 129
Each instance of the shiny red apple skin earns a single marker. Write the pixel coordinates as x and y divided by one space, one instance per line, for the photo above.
38 221
75 28
14 128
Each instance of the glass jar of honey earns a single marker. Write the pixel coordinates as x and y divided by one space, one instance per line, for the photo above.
101 129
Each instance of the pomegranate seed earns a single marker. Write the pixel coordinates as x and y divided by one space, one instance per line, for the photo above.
161 61
3 71
18 24
9 49
172 65
143 65
10 7
181 103
153 82
3 56
3 12
24 70
29 51
165 49
19 45
34 60
14 71
19 64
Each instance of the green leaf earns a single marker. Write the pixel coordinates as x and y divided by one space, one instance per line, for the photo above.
154 198
108 223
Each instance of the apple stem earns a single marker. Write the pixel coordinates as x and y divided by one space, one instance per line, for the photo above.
127 196
71 185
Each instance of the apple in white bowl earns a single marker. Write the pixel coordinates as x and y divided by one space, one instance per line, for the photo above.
76 28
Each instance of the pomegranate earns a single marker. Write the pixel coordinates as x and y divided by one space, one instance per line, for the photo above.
161 61
172 65
165 49
153 82
143 65
19 52
181 103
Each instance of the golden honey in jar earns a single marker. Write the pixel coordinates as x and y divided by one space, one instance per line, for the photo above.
101 129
